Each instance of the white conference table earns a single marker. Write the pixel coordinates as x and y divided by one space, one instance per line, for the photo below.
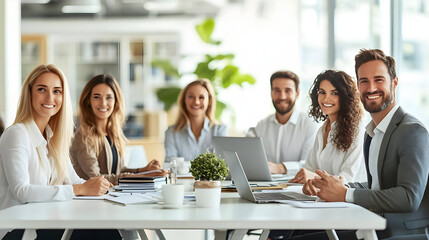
233 213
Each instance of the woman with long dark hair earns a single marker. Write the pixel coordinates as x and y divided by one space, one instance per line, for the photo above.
338 148
98 148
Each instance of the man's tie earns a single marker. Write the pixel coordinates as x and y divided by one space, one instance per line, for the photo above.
366 145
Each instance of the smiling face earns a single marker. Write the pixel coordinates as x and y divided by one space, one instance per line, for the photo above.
46 96
102 101
328 99
197 101
283 95
375 86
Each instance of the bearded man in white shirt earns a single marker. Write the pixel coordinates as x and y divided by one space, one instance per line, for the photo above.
288 135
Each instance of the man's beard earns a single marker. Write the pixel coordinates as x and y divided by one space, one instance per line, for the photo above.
387 101
284 111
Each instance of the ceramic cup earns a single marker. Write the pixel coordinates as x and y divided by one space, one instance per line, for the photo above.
173 194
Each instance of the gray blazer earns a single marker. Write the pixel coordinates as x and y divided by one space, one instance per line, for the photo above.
403 168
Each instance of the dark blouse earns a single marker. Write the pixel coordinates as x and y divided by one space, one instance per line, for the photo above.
114 154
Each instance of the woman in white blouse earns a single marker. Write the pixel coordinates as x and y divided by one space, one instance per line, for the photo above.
338 148
34 151
192 133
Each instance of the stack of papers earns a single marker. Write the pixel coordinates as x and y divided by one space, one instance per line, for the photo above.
140 184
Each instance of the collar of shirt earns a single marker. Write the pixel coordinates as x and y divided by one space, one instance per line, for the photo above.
206 126
382 126
36 136
333 126
293 118
40 144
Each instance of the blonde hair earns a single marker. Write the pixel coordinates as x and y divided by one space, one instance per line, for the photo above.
61 123
183 118
94 136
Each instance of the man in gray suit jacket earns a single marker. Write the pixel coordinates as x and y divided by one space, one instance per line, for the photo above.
396 154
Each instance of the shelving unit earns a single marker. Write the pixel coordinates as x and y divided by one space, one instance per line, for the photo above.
33 53
127 58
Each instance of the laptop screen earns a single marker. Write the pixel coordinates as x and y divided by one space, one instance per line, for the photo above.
238 175
251 152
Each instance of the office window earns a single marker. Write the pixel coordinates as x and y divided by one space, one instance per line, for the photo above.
413 67
359 24
314 39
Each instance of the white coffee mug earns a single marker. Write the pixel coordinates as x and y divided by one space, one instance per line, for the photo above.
173 194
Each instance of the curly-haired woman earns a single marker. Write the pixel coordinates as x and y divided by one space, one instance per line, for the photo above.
338 148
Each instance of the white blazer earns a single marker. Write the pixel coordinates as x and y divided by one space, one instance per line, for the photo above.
25 169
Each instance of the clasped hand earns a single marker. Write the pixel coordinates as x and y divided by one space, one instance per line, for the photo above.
327 187
302 176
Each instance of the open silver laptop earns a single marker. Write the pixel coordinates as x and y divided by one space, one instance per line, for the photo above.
252 154
244 190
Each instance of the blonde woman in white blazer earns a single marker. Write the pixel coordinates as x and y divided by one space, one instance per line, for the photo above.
34 151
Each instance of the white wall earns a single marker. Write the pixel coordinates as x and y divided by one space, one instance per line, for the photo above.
264 36
10 62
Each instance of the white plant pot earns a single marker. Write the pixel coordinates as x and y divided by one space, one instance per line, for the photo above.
207 194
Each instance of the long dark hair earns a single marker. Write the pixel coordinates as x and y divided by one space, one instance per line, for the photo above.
95 136
350 113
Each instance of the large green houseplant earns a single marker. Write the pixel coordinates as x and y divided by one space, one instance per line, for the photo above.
209 170
219 69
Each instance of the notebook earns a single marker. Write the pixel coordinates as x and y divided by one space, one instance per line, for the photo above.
244 190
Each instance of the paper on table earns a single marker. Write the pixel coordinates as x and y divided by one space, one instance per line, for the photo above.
119 194
90 197
137 191
147 172
316 204
133 199
294 188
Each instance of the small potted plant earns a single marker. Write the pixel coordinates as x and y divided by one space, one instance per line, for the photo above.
208 170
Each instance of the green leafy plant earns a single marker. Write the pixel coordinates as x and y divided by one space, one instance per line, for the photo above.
208 166
219 69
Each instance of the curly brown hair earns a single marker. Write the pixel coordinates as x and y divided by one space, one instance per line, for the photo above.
350 113
94 135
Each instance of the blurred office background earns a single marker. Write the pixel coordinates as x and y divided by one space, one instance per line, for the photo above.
124 37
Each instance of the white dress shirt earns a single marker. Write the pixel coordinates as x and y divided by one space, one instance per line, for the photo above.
349 164
26 172
182 143
287 143
377 134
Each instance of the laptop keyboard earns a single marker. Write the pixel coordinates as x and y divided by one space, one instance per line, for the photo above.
272 196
